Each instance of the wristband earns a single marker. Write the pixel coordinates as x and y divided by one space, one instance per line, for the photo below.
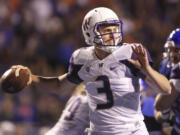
165 113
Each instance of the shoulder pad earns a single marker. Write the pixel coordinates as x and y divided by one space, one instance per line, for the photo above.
123 52
80 56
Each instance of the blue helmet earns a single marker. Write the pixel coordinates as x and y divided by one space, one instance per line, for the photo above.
172 48
175 37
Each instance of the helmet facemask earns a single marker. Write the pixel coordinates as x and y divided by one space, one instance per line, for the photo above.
108 35
172 52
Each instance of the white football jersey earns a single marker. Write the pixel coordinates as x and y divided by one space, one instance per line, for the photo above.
74 119
112 86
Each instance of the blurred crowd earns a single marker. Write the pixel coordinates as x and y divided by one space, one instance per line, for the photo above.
42 34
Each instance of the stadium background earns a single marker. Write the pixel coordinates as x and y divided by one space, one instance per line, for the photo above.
42 34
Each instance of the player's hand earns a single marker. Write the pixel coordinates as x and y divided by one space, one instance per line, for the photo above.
15 79
140 53
19 67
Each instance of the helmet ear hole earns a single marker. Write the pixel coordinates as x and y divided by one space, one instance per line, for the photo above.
87 33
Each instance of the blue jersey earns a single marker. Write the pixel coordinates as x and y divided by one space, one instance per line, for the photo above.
175 76
175 79
164 69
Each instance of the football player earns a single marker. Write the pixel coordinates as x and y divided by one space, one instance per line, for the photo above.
168 57
110 71
75 117
165 103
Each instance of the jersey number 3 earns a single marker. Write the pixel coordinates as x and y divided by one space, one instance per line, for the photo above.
106 90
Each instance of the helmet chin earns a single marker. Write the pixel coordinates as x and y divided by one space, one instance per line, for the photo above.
108 49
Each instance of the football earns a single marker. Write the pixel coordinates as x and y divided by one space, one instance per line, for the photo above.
15 80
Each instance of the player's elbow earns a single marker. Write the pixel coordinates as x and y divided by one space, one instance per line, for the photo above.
166 89
167 86
169 90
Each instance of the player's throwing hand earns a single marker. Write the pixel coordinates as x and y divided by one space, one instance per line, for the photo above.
16 79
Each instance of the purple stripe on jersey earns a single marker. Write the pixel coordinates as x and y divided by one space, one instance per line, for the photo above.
70 64
134 70
73 109
73 75
73 72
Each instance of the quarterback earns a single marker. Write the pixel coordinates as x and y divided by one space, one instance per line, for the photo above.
110 71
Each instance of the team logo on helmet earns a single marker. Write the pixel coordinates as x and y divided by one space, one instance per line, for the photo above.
87 24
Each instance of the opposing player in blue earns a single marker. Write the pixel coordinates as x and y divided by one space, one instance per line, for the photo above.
165 103
168 57
110 70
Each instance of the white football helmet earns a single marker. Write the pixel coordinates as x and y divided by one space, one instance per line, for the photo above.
97 17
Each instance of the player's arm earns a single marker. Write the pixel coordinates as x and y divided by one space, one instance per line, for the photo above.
156 80
152 77
165 101
66 82
51 83
60 82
